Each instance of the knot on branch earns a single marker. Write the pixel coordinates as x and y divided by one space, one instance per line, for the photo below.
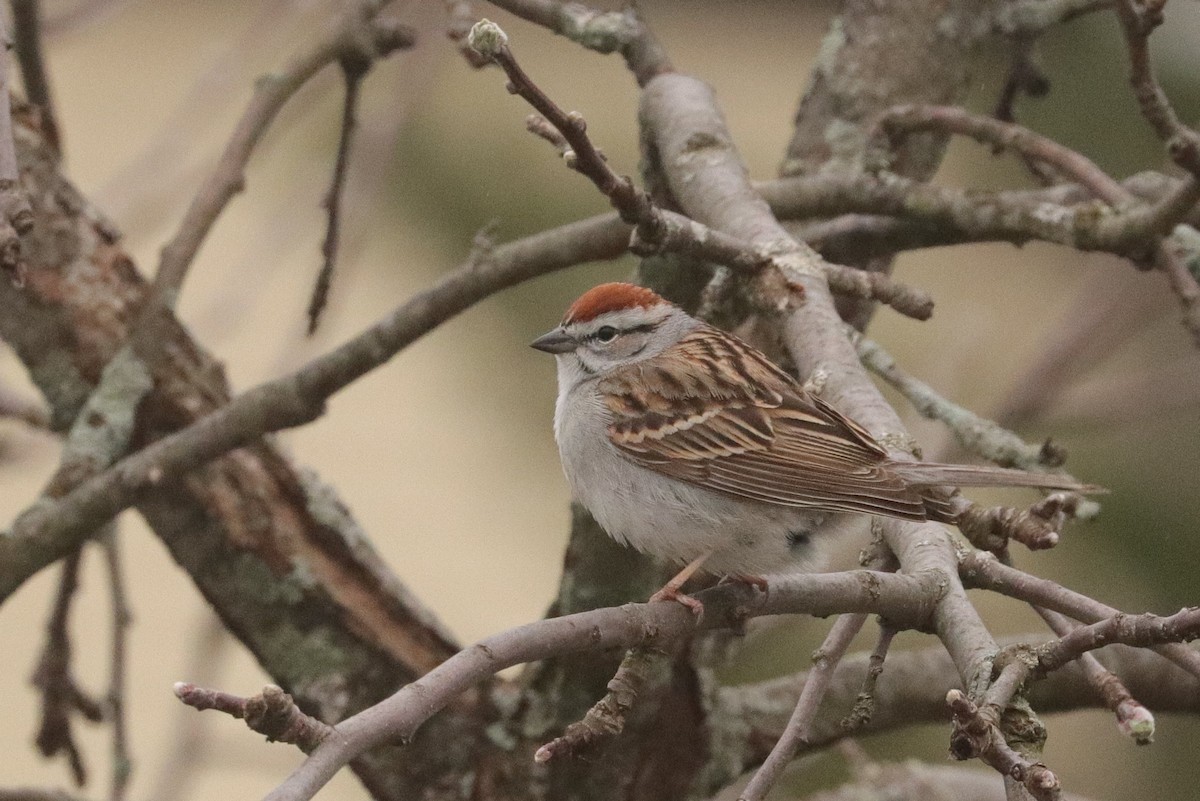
16 219
1037 528
601 31
971 731
977 734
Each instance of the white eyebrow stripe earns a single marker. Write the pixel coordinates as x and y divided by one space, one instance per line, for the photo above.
622 320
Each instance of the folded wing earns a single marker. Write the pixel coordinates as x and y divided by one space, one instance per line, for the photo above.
714 412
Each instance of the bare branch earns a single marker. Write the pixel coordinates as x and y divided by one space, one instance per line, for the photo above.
977 434
864 703
913 690
982 570
62 697
1037 528
1140 630
1138 20
903 120
1133 719
122 618
656 624
658 230
825 662
606 718
50 529
359 35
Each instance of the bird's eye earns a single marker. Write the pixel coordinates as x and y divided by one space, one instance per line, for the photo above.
606 334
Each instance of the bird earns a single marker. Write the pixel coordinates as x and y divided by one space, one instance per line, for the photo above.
688 444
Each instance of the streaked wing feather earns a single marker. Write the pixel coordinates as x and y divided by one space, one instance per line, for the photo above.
716 413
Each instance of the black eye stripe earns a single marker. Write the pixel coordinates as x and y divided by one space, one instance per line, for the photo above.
644 328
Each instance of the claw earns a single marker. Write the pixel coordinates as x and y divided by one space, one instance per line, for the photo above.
669 593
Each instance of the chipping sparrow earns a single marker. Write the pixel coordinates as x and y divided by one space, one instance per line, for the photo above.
690 445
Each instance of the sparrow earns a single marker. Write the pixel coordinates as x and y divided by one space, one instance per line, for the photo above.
690 445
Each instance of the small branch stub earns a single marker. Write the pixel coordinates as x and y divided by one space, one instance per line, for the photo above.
272 713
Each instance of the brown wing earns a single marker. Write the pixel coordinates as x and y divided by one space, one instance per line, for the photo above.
715 412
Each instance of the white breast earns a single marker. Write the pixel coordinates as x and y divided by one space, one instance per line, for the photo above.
664 517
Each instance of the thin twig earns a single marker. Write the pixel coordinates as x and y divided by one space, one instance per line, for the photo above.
912 690
825 662
658 230
904 120
1138 20
602 31
976 434
122 618
633 204
34 75
1134 720
359 30
1141 630
864 704
983 570
1155 221
188 738
853 282
61 695
935 215
353 72
1039 527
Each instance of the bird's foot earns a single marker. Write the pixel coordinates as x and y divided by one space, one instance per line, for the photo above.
671 593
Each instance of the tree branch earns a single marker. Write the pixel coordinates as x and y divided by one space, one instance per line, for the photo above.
359 35
629 626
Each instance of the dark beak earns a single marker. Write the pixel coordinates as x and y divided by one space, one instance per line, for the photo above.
556 341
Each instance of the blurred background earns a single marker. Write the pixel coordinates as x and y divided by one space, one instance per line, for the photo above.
445 455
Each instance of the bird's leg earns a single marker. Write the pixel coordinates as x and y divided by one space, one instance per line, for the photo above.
670 590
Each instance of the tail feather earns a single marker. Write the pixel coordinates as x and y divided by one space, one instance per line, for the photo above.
932 474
